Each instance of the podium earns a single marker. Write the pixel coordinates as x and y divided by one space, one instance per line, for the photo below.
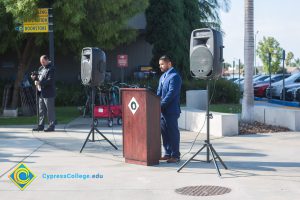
141 126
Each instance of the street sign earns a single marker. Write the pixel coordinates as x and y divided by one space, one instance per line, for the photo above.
38 25
19 28
43 12
36 28
39 20
122 61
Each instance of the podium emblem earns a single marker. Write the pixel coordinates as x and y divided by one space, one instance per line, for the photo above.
133 105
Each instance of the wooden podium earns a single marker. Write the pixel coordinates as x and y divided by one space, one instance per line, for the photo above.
141 126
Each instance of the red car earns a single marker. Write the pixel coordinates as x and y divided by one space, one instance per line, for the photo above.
260 89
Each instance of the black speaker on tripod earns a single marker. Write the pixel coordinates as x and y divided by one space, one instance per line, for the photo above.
206 53
206 58
93 66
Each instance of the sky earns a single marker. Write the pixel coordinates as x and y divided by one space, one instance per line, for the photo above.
276 18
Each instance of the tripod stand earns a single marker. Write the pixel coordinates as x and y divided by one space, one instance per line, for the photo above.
93 128
209 147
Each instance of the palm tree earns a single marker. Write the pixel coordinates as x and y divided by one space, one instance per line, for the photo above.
209 12
248 96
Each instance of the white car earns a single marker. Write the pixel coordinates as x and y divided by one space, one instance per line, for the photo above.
276 87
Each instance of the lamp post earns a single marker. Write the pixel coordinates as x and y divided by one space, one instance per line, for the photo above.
233 65
283 74
239 73
51 32
270 82
255 52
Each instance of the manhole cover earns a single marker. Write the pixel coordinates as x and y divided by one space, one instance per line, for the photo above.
203 190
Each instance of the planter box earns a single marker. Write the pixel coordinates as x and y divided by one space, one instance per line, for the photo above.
285 117
222 124
10 113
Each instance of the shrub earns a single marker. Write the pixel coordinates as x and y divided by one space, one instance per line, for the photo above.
1 91
70 94
223 91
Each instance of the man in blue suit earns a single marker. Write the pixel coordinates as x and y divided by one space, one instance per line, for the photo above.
169 91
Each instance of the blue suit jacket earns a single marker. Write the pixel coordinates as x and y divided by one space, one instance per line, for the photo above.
169 91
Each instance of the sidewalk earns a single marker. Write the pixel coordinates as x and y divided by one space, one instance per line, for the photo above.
263 166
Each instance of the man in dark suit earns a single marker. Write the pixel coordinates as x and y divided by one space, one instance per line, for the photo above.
169 91
45 85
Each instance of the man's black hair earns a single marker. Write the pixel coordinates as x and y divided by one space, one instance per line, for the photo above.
165 58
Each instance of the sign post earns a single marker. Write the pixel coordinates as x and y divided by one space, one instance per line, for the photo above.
51 36
122 63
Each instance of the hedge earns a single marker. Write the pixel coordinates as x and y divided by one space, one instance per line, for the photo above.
224 91
75 94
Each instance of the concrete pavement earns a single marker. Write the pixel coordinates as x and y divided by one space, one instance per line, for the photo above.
263 166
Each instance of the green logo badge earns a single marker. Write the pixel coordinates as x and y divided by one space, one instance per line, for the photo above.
21 176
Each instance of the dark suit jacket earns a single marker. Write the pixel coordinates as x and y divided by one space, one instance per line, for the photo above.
46 78
169 91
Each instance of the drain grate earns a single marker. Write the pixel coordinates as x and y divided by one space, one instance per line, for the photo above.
203 190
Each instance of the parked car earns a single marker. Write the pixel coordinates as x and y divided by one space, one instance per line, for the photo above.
276 88
256 75
233 79
297 95
289 91
260 78
260 89
289 94
257 78
239 80
274 78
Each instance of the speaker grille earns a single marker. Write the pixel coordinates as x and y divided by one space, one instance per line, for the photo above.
86 71
201 62
93 66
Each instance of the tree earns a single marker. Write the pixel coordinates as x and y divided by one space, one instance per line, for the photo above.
191 22
266 46
170 23
296 63
84 23
164 30
248 95
227 66
289 58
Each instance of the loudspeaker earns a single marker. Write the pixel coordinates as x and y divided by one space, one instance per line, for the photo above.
93 66
206 53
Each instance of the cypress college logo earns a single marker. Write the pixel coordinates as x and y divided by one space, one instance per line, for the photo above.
21 176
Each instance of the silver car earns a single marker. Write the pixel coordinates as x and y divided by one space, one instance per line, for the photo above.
276 88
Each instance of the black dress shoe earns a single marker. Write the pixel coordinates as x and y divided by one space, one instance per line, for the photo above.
38 128
49 129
